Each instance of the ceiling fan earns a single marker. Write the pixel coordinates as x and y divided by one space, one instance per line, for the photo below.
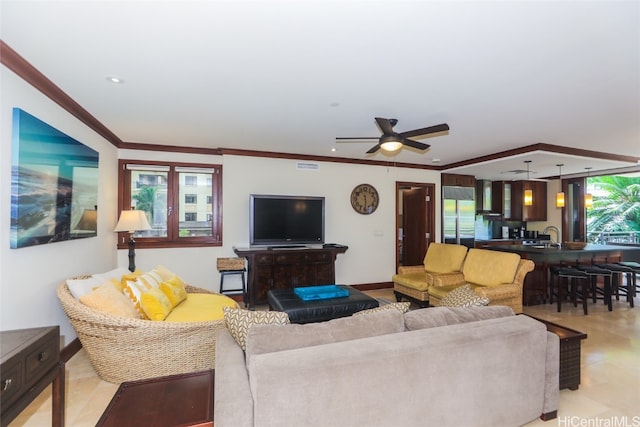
392 141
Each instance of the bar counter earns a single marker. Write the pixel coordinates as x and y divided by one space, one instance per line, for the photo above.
536 282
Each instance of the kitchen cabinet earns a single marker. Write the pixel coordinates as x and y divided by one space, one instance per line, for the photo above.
455 180
501 198
508 200
538 210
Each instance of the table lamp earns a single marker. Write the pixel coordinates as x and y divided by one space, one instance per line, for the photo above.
132 221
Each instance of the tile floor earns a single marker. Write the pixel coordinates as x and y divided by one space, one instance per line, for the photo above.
608 395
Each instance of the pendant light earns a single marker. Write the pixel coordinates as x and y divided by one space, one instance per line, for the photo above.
560 194
588 197
528 194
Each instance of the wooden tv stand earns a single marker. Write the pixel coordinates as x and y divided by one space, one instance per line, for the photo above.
285 268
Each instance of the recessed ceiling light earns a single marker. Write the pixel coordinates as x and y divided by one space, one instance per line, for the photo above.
435 160
334 149
334 104
115 79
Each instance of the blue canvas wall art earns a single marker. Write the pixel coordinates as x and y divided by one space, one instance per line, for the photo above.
54 184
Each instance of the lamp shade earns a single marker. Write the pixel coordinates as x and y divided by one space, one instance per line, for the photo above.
560 200
88 221
588 200
132 221
528 197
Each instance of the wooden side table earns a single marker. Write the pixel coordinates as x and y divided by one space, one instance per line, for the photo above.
175 400
569 353
30 362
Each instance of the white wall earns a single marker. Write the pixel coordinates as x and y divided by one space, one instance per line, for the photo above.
29 276
371 238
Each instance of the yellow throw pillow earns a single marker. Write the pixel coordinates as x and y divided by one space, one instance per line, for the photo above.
163 272
174 289
107 298
149 280
130 277
133 291
155 304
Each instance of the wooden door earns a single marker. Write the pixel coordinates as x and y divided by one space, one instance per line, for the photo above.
415 222
414 226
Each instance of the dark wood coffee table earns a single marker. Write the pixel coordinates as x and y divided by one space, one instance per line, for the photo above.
321 310
569 353
176 400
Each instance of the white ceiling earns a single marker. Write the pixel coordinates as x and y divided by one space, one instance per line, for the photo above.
287 76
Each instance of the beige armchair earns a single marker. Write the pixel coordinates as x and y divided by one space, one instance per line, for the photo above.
442 265
498 276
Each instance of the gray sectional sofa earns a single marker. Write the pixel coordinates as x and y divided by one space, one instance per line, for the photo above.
481 366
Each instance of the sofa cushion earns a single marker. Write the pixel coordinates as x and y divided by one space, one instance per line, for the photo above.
108 299
402 307
463 296
116 273
80 287
268 338
201 308
441 316
444 257
490 268
240 321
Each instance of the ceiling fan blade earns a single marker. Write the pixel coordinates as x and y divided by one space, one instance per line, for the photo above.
425 131
355 139
374 149
415 144
385 125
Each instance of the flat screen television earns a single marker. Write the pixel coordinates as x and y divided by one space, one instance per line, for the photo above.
286 220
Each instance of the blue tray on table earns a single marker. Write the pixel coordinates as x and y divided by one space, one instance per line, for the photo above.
312 293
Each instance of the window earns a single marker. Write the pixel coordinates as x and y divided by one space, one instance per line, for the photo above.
169 194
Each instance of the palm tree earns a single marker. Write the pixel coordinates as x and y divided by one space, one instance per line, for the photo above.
145 200
619 209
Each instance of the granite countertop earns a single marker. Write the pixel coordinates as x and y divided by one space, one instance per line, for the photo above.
554 250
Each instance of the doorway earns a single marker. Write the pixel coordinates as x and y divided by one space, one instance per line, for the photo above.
415 221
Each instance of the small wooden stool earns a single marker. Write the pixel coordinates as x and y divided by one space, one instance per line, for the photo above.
230 266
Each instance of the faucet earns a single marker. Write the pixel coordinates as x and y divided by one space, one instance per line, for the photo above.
553 228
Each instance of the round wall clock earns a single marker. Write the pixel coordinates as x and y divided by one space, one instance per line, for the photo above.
364 199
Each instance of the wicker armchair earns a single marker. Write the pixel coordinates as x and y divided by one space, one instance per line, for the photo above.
123 349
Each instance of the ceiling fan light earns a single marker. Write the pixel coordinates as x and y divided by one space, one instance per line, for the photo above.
560 200
528 197
390 143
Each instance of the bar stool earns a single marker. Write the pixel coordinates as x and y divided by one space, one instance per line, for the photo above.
635 267
228 267
567 278
617 272
594 272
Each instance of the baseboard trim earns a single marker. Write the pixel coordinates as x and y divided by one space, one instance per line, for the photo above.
373 286
70 350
